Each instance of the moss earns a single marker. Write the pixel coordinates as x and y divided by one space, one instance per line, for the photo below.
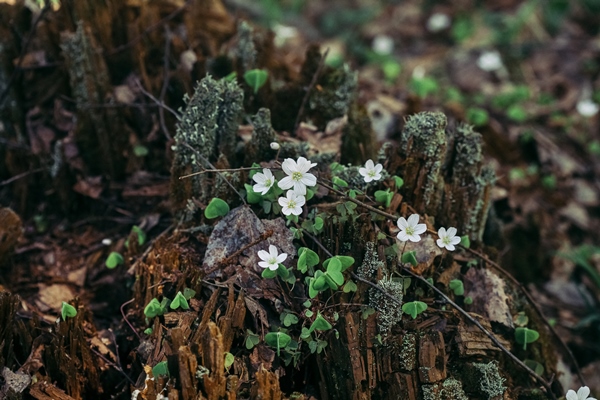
371 262
337 94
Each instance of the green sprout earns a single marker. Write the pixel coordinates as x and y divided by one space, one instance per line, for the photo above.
113 260
216 208
67 311
256 78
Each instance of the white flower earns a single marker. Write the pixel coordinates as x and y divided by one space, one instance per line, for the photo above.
371 172
411 229
264 181
297 175
292 203
587 108
438 22
448 238
582 394
383 44
272 259
274 146
490 61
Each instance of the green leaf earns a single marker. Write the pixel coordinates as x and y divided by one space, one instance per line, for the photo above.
256 78
312 345
67 311
320 283
216 208
320 324
267 206
308 313
289 319
188 293
268 274
256 168
278 340
535 366
163 305
307 304
305 334
309 194
312 292
346 261
141 235
414 308
148 331
477 116
352 193
113 260
139 150
468 300
350 287
410 258
283 272
367 312
160 369
229 359
384 196
456 285
251 196
525 335
337 277
521 319
152 309
465 241
307 259
230 77
252 339
318 225
399 182
339 182
179 301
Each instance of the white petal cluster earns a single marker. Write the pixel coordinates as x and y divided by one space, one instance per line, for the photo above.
297 175
272 259
264 181
292 203
410 229
447 238
582 394
370 171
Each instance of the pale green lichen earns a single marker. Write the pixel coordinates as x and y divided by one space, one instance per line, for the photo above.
407 359
371 262
338 92
390 311
423 144
245 49
485 379
452 390
259 147
207 125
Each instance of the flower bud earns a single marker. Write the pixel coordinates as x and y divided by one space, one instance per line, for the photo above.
275 145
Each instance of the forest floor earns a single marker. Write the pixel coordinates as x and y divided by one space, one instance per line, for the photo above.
526 74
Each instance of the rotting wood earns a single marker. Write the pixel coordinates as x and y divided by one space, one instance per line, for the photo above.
213 358
432 357
267 386
187 372
47 391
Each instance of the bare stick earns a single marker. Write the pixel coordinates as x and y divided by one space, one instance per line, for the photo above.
486 332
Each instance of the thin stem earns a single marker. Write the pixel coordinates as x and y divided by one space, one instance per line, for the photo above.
486 332
216 170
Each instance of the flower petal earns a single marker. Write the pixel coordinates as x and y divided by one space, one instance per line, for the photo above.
288 166
571 395
282 257
413 220
286 183
452 231
303 165
455 240
263 255
362 171
309 180
402 223
369 164
263 264
440 243
442 232
402 236
273 251
583 393
300 201
420 228
299 188
414 238
378 168
450 247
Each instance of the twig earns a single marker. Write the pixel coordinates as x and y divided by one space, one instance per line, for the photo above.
166 77
157 101
150 29
309 89
535 306
21 175
486 332
126 320
218 171
17 69
360 203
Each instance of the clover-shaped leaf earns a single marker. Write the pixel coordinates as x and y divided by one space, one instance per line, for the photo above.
216 208
67 311
113 260
414 308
